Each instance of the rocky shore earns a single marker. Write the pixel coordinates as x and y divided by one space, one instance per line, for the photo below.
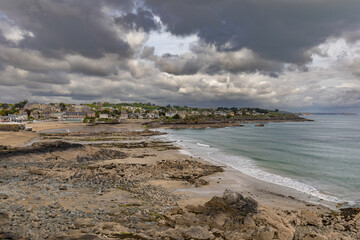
124 185
212 123
11 127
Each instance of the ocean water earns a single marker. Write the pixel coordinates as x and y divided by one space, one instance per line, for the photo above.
321 158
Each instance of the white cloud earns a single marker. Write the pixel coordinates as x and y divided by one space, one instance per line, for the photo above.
11 32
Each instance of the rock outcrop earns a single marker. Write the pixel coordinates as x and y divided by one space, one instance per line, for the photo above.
102 154
12 127
231 216
61 190
38 147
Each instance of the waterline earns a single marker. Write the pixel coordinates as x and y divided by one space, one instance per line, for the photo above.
320 159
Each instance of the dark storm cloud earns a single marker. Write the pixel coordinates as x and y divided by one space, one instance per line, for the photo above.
142 20
66 26
88 50
276 29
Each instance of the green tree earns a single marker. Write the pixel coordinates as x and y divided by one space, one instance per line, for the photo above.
62 106
28 112
234 109
115 113
4 112
21 104
4 105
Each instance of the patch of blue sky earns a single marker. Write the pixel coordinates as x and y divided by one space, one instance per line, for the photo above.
164 42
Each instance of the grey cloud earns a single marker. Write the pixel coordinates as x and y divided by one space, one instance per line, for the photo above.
70 96
147 52
86 50
34 61
354 67
104 66
186 64
71 36
11 76
207 59
291 91
30 60
140 70
66 26
56 78
141 20
275 29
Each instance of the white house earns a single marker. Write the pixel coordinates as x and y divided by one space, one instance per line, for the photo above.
123 115
170 114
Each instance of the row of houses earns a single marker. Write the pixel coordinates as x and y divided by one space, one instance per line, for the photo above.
58 111
14 118
79 116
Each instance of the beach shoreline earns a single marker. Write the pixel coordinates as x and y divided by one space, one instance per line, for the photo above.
267 193
261 190
135 175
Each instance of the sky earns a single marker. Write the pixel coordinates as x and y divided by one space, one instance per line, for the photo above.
295 55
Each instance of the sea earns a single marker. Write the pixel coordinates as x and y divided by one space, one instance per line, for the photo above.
320 158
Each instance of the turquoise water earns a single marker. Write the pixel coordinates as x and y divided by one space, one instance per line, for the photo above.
321 158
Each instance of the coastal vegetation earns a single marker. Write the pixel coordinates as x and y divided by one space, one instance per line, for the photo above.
113 113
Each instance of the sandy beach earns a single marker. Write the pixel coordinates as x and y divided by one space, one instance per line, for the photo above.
126 172
267 193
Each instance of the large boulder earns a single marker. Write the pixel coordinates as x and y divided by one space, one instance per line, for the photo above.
230 209
310 218
229 212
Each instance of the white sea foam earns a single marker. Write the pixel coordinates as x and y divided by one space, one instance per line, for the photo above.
244 165
203 145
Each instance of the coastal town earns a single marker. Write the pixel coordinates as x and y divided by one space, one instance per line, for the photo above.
107 112
179 120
